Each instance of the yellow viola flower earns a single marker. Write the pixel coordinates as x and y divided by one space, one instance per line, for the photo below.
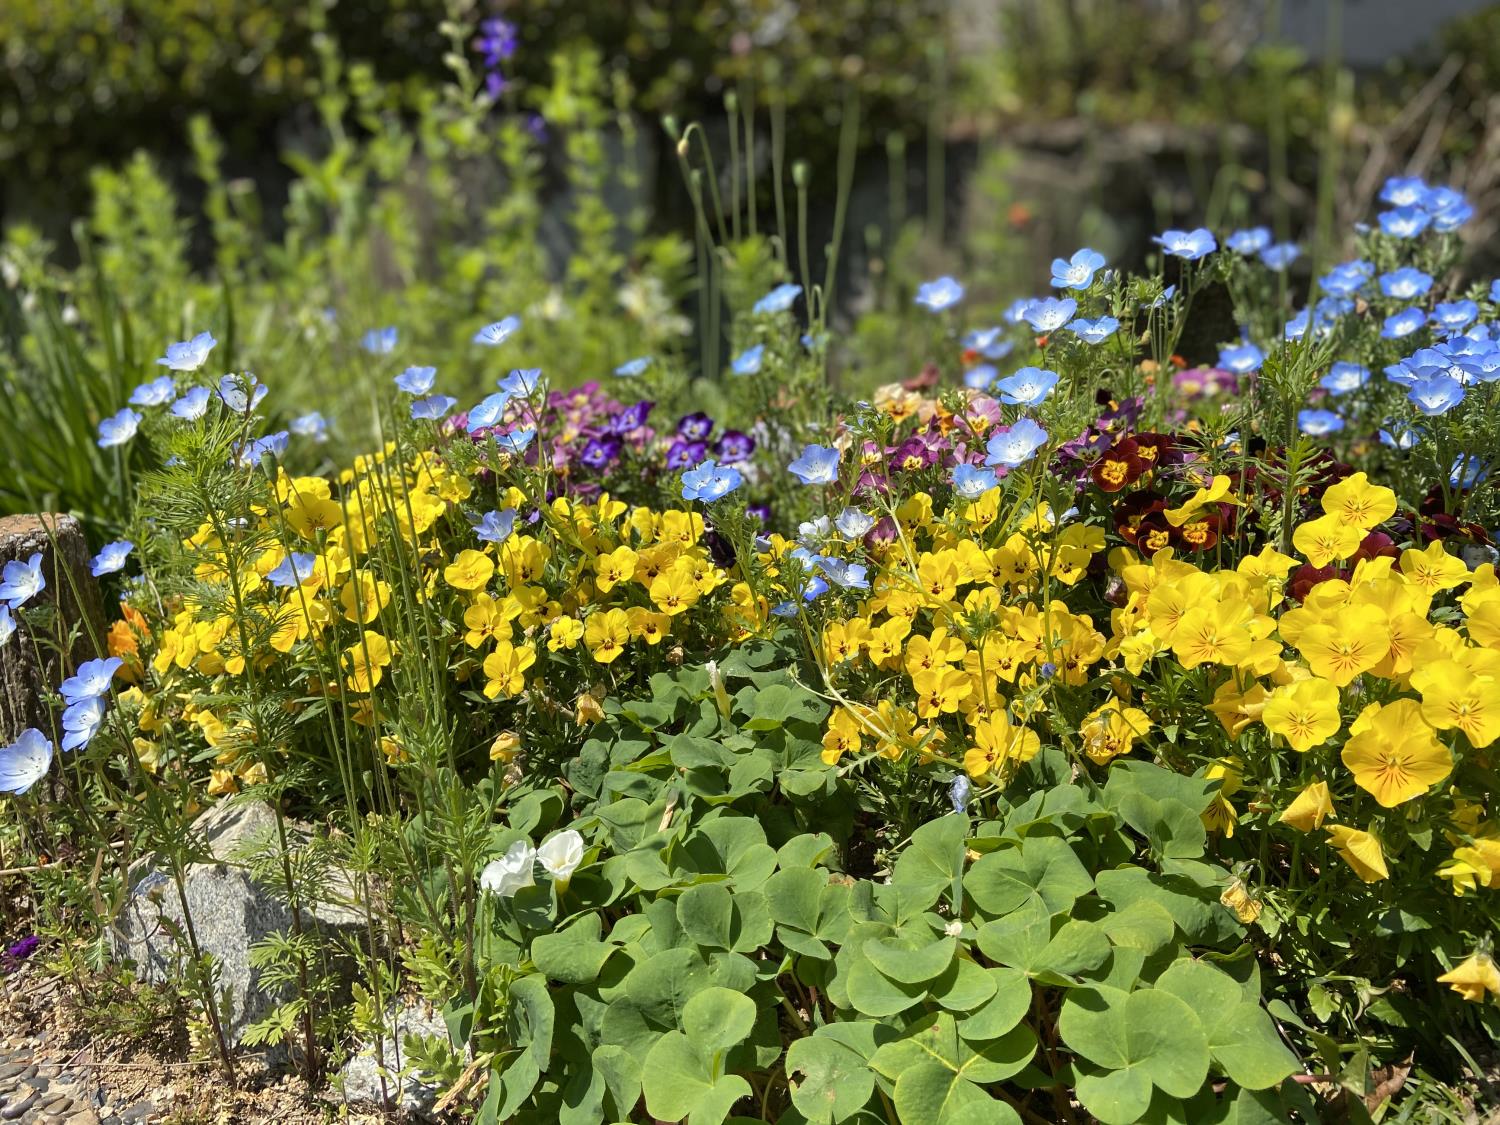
486 620
674 591
309 515
1305 713
1309 809
607 634
471 570
1341 651
1358 503
1473 867
1326 540
1217 633
1433 569
1111 730
523 558
887 642
938 576
1393 753
612 569
1244 902
940 691
1215 492
997 744
1221 816
842 736
933 651
1454 697
363 597
564 634
505 669
1361 851
648 625
505 747
1474 977
682 528
366 661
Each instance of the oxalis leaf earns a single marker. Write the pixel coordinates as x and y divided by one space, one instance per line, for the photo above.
1241 1036
837 1080
1150 1035
684 1072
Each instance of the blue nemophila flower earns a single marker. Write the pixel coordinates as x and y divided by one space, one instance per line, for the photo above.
495 527
272 445
81 721
111 558
989 342
710 481
845 574
1436 394
157 392
1456 363
22 581
633 367
1015 445
433 408
813 531
1249 241
1495 292
1405 284
748 361
818 465
1189 245
25 761
380 341
853 523
293 570
1346 278
188 355
1344 377
981 376
523 382
1296 328
312 425
1454 316
417 381
959 791
783 297
1401 373
1453 217
935 296
1078 271
1400 435
489 412
516 441
493 335
119 428
1166 295
7 625
1049 313
970 482
242 393
1094 331
1403 191
1241 358
1280 256
1404 222
1328 311
1467 471
1317 423
193 404
1401 324
1027 387
91 680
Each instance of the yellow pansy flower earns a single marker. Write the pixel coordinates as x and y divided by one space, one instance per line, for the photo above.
1455 697
1310 808
607 634
1358 503
1305 713
1474 977
564 634
1361 851
505 669
470 570
1393 753
366 661
1111 730
1433 569
997 743
1327 539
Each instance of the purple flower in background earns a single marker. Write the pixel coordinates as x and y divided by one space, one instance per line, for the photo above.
734 446
631 418
695 427
762 512
685 454
22 949
601 452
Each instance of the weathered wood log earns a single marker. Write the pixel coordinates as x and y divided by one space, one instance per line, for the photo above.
31 665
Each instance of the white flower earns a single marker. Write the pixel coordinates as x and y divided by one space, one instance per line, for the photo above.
716 682
561 855
512 871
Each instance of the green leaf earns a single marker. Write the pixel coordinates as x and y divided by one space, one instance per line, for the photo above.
1151 1033
574 955
1241 1036
1115 1097
779 704
1002 881
532 1015
622 1076
734 846
793 894
717 1019
1142 925
963 987
1004 1011
935 1036
933 859
837 1080
928 1093
911 961
678 1083
661 985
711 916
871 993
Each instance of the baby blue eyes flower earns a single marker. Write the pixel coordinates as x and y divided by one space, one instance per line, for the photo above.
1094 331
817 465
188 355
1403 323
1404 222
853 523
970 482
1078 271
158 392
710 481
272 445
1015 445
1405 284
1241 358
380 341
959 791
980 377
91 680
777 300
845 574
633 367
489 412
1436 394
417 381
81 721
193 404
22 581
523 382
7 625
1495 292
1403 191
988 342
118 428
1049 314
1344 377
493 335
433 409
111 558
1317 423
496 527
1027 387
312 425
935 296
1467 471
1400 435
242 393
1454 316
1280 256
293 570
748 361
1015 312
25 761
1347 278
1251 241
515 442
1190 245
